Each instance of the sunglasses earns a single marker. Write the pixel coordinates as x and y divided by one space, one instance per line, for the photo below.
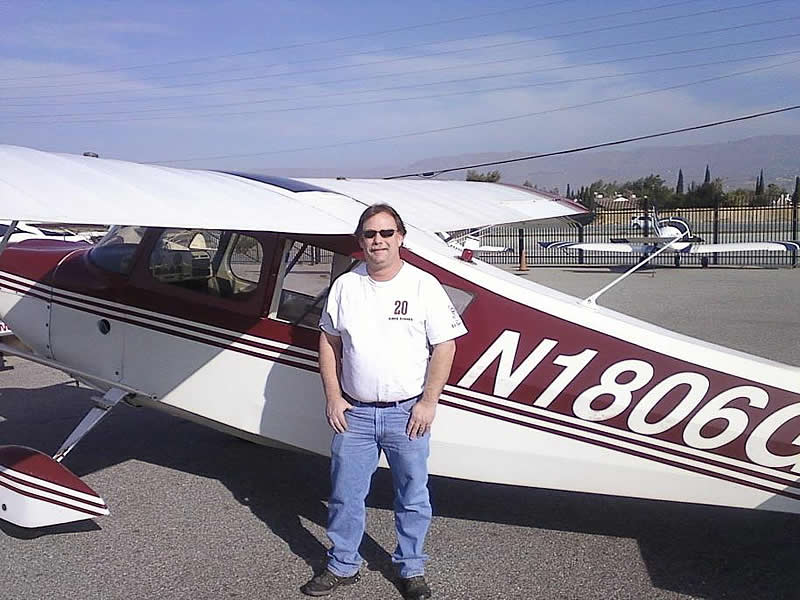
371 233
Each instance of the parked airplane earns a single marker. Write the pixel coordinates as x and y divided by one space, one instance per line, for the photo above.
26 231
202 303
672 231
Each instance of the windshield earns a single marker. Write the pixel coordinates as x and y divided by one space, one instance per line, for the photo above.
115 252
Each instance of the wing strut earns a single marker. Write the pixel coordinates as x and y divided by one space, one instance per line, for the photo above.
7 236
92 418
592 300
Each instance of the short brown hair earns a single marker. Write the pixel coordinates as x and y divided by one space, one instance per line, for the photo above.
376 209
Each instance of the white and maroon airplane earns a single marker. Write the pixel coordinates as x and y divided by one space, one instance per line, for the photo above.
203 302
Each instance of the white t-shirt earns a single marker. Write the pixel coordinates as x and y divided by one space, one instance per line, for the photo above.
387 328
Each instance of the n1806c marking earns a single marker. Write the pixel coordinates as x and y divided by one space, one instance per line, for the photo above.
621 380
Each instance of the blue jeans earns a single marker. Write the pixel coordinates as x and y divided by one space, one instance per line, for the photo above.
354 458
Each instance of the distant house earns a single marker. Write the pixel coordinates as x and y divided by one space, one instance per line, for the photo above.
617 202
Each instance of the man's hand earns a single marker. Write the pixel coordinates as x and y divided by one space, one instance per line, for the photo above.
422 415
334 410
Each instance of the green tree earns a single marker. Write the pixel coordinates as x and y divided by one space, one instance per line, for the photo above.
569 192
796 195
775 191
741 197
679 187
489 177
528 183
707 178
706 195
760 184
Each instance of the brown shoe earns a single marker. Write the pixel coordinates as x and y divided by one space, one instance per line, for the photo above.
324 583
415 588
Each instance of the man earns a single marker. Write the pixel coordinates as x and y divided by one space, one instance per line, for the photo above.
385 352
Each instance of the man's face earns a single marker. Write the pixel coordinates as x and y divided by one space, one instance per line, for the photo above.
381 252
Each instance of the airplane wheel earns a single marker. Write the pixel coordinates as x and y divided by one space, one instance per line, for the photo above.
677 261
704 262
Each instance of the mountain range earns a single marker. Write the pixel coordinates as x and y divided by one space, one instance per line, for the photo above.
737 163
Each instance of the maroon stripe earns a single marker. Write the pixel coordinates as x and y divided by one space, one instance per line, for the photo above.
49 501
283 361
611 434
27 291
78 304
46 489
665 461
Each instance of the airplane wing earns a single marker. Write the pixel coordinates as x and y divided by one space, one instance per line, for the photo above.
42 186
622 247
441 206
743 247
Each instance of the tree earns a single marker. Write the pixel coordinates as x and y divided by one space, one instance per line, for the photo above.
569 192
707 178
775 191
760 184
679 187
528 183
740 197
490 177
706 195
796 195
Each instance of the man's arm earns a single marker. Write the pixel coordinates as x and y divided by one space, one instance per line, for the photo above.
424 411
330 366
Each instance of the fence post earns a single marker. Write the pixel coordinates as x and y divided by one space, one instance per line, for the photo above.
795 202
715 235
523 259
580 240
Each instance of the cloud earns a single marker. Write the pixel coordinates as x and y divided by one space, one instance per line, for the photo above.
98 36
189 132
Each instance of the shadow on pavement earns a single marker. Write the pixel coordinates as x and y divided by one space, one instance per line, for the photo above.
695 550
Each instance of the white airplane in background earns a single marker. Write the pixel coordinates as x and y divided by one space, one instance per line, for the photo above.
199 304
669 231
27 231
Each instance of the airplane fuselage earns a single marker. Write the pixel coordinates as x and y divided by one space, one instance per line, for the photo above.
544 391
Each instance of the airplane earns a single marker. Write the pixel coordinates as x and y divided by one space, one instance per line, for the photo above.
28 231
203 302
674 232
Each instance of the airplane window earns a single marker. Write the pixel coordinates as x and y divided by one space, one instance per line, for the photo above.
116 250
305 276
212 262
245 259
461 299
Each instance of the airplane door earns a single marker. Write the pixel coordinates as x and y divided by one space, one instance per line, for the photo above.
85 335
88 340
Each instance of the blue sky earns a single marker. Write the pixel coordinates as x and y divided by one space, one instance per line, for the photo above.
295 84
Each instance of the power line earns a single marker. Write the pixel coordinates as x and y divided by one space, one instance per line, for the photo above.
430 54
297 45
481 123
639 138
392 100
407 47
414 72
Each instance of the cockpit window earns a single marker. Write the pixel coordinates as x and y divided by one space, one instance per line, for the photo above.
115 252
304 279
212 262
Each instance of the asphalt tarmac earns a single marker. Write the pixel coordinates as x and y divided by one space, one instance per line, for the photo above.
199 514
